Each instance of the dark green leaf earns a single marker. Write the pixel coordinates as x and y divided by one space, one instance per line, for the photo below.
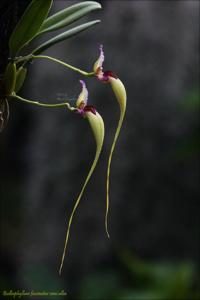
29 25
68 15
65 35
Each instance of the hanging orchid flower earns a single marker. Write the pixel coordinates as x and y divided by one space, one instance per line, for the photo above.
120 94
97 126
35 22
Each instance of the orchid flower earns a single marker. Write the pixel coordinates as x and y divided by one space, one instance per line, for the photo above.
97 125
120 94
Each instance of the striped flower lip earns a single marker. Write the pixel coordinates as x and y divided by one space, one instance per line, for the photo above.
81 103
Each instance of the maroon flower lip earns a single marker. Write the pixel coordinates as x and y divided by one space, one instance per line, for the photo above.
87 108
110 74
104 76
90 108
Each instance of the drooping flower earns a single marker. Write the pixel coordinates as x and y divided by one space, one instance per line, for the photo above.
120 94
97 125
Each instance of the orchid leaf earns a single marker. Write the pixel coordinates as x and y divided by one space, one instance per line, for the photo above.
65 35
97 126
68 16
29 25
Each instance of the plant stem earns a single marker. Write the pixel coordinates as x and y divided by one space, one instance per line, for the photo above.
31 57
64 104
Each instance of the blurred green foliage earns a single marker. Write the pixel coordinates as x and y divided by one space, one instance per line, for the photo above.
190 146
140 280
192 100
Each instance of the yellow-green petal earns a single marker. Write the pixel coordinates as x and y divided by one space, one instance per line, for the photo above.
97 125
120 94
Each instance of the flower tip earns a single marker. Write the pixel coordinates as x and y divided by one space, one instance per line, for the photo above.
101 47
82 83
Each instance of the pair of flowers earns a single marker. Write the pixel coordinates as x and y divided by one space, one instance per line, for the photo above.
97 126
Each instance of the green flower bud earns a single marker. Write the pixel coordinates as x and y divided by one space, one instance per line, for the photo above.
21 76
9 79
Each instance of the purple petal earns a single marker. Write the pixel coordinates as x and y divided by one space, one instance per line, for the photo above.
101 56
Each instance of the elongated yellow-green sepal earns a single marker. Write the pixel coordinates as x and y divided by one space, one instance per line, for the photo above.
97 125
9 79
21 76
120 93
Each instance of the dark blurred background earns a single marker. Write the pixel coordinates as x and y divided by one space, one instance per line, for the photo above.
45 155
